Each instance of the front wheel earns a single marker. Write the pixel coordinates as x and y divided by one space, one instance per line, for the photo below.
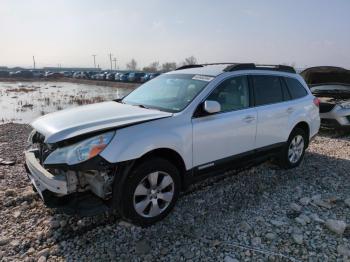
294 150
150 192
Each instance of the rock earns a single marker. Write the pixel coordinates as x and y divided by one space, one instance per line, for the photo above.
7 163
278 223
298 238
15 243
54 224
124 224
336 226
270 236
42 259
188 254
230 259
142 247
303 219
63 223
4 241
343 250
244 226
43 253
16 214
80 223
322 203
305 201
316 218
10 192
256 241
347 202
295 207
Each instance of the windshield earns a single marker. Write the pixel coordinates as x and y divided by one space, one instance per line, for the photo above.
168 92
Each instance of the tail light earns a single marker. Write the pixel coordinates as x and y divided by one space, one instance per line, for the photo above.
317 102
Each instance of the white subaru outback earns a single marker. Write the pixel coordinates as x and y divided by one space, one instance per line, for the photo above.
136 154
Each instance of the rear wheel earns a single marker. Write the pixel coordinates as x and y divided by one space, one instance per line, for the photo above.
150 192
294 150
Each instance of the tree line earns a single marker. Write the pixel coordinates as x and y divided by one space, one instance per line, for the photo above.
157 67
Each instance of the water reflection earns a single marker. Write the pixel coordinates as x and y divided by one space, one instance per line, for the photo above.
23 102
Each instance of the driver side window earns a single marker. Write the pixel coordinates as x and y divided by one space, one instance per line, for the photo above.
232 94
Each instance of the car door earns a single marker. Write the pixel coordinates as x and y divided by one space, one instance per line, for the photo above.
229 132
273 112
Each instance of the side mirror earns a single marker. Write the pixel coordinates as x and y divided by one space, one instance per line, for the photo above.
211 107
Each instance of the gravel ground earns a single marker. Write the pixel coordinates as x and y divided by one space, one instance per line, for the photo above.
260 214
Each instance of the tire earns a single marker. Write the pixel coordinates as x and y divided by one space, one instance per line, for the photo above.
150 192
293 152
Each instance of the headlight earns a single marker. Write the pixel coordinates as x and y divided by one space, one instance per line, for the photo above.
345 105
81 151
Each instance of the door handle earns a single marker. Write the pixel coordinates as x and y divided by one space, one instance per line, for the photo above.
248 119
290 110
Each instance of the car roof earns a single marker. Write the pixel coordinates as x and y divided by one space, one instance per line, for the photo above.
210 70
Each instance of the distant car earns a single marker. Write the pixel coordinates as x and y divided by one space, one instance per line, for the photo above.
332 86
145 78
23 74
54 75
117 76
110 76
153 75
67 73
4 74
124 77
135 76
38 73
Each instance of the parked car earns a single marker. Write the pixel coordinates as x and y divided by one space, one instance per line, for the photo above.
22 74
153 75
135 77
117 76
145 78
110 76
54 75
332 86
4 73
138 153
38 73
124 77
67 73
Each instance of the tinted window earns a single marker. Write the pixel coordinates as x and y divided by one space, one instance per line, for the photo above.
232 94
267 90
295 88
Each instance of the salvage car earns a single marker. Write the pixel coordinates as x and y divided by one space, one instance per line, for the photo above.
137 153
332 86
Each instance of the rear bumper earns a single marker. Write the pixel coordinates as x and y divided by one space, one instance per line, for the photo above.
337 118
42 179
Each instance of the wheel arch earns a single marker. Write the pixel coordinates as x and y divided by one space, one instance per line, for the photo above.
305 127
168 154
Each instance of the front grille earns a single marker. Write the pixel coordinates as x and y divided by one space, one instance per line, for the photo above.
326 107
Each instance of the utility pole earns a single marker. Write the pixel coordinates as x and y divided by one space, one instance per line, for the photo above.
33 62
94 60
110 60
115 63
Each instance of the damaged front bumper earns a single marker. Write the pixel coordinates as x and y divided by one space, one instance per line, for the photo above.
42 179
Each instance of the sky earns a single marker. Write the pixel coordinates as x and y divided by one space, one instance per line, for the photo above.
68 32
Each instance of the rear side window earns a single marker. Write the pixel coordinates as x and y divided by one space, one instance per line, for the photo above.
296 89
267 90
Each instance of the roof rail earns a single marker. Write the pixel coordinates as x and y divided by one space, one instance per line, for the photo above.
249 66
188 66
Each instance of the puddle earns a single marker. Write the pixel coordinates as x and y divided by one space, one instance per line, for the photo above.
23 102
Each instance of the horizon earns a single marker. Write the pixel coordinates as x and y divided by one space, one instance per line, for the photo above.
298 33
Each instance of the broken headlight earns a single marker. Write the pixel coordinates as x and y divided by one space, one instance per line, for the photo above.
81 151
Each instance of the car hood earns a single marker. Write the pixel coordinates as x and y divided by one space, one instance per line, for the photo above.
69 123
